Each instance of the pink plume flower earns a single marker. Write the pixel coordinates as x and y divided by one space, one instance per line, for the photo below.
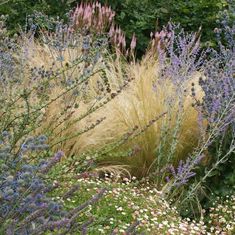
133 42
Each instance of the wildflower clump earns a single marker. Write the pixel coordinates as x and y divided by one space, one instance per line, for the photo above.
130 205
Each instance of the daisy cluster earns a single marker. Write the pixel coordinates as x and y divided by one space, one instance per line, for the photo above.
130 205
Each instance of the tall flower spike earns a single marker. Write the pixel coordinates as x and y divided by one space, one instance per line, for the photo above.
133 42
111 31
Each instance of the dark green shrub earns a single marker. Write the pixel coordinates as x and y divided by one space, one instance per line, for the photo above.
145 16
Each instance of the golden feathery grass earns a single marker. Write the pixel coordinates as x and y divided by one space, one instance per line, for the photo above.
140 103
65 125
174 136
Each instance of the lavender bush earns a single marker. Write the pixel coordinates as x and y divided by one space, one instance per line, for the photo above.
179 61
217 107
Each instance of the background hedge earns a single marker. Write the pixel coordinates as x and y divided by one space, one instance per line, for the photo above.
139 16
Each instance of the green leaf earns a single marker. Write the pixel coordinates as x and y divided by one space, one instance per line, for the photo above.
164 10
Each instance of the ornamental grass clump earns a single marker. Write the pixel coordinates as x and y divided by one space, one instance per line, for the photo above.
149 101
166 86
58 82
76 74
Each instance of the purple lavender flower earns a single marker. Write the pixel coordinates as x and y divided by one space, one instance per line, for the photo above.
184 171
46 167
